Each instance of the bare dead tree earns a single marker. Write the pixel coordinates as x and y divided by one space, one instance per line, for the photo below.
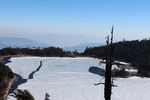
109 62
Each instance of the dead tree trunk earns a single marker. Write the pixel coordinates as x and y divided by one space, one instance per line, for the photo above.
109 60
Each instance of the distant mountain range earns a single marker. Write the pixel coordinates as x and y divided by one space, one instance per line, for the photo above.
61 40
19 42
82 47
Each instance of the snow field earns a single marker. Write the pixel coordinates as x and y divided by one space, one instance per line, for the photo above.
69 79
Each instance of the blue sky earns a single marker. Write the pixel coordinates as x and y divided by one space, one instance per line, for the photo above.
88 18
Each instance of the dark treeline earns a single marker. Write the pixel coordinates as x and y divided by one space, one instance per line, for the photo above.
135 52
49 52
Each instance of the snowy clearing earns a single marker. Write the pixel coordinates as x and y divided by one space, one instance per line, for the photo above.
70 79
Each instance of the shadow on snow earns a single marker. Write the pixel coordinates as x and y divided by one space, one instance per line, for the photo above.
21 80
97 70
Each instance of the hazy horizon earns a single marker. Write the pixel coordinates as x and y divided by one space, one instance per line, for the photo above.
59 40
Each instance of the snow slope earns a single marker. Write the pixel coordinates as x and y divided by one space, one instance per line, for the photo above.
69 79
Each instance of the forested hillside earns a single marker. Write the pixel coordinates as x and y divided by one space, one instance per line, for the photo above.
135 52
6 79
49 52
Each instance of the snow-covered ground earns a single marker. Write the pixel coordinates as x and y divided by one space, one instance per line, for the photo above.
70 79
